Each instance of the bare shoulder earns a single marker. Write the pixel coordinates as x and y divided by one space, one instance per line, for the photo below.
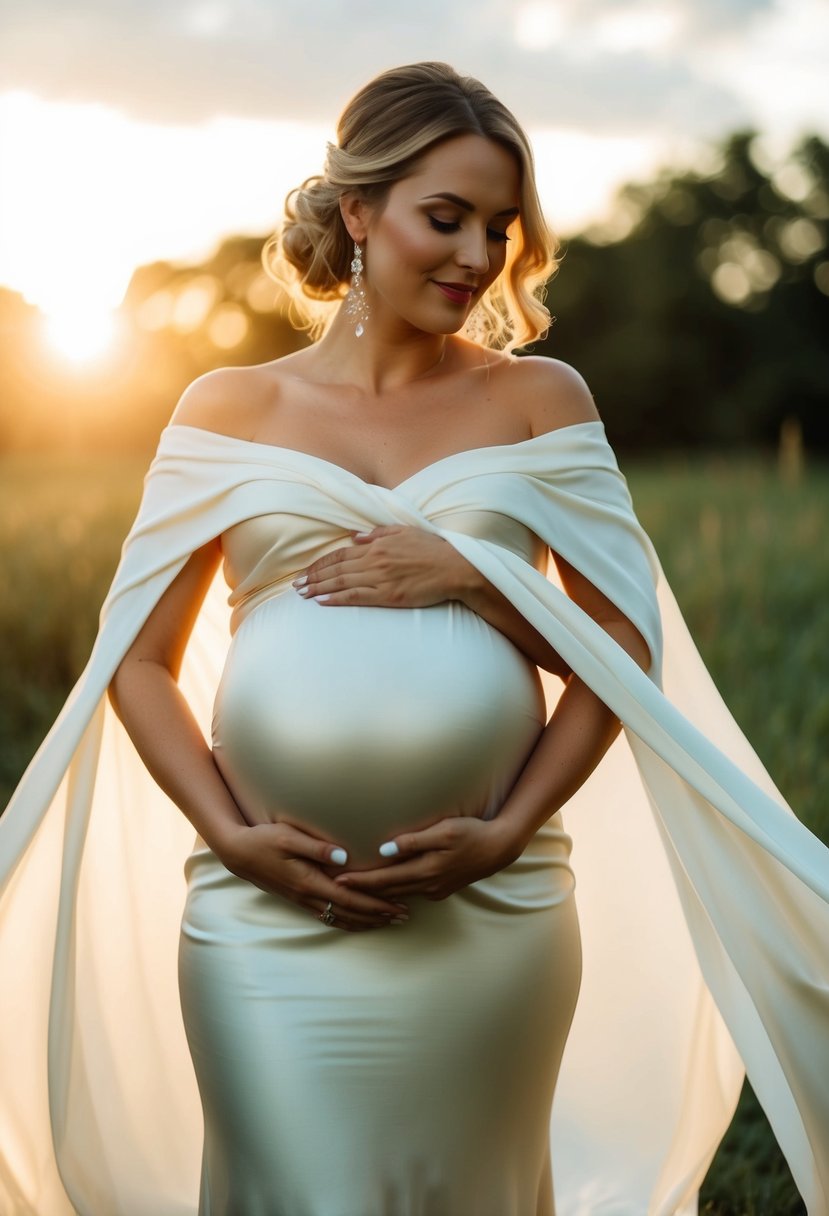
228 400
553 393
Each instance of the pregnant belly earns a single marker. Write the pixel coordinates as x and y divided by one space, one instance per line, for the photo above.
363 722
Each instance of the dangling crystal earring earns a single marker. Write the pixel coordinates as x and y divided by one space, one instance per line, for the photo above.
356 304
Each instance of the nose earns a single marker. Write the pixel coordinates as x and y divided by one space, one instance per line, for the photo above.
473 251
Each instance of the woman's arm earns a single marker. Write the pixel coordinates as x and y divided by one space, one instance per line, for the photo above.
579 732
277 857
455 852
145 695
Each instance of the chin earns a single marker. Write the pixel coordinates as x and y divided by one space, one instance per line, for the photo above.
445 326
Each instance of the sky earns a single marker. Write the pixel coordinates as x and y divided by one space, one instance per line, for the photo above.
138 130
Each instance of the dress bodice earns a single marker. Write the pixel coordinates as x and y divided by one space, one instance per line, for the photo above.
264 553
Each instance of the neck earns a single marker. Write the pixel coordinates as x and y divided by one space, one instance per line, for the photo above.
379 361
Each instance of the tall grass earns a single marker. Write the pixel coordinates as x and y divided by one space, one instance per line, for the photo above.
62 523
745 552
742 546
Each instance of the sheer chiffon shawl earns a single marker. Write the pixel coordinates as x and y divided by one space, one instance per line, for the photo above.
704 902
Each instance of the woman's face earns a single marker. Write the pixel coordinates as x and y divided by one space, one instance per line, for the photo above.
441 238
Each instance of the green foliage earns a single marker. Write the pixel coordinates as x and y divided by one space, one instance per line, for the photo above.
699 315
749 1175
742 548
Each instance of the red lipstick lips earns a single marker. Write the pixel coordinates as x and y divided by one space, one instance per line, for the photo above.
456 292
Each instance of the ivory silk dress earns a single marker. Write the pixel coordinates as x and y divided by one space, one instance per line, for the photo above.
394 1072
174 1041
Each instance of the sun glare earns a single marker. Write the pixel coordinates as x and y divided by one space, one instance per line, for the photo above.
81 337
90 194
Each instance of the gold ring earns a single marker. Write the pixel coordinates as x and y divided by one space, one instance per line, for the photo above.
327 917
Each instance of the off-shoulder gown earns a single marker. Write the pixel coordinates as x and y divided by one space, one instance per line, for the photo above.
409 1070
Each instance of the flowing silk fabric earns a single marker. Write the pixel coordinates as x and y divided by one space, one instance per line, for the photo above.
703 901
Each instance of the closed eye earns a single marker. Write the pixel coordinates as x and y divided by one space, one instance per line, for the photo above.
453 226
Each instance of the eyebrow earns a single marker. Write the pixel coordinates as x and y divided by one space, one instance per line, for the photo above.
467 206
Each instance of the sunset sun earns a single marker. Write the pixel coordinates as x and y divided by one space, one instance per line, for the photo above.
81 335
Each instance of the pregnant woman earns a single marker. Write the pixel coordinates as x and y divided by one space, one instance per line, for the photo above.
441 612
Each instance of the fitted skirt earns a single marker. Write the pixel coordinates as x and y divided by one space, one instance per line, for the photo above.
405 1071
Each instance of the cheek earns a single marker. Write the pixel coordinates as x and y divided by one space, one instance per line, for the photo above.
414 246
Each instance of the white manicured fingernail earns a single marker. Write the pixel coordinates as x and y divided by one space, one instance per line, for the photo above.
302 590
301 581
362 534
399 920
389 849
339 857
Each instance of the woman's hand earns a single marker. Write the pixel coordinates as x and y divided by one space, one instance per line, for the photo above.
405 567
393 567
438 860
284 860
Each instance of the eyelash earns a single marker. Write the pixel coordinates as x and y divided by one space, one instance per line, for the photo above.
451 226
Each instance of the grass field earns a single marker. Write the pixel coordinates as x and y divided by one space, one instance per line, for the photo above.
744 551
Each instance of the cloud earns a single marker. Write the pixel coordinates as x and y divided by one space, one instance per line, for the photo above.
189 61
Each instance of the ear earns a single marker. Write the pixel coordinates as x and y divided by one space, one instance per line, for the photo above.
355 213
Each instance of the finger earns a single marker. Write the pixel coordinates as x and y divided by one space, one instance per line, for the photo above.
320 564
366 910
301 891
390 880
365 597
298 843
344 918
315 575
359 902
313 887
406 890
409 844
344 574
380 530
339 580
349 587
328 559
386 923
338 557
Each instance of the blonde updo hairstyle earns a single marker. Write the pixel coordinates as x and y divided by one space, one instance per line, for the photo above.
384 131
